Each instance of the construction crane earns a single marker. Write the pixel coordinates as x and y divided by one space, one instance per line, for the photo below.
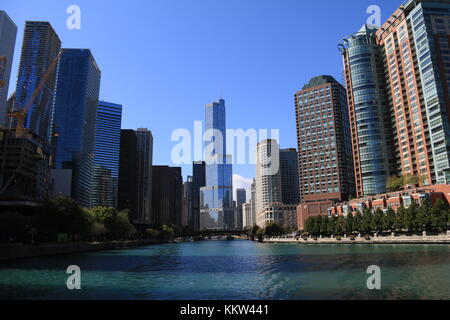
21 113
2 71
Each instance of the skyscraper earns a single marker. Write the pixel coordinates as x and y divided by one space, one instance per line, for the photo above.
41 46
8 33
290 190
106 154
128 175
241 198
415 46
135 174
187 202
268 181
74 121
167 195
408 57
324 147
369 113
216 208
198 181
145 174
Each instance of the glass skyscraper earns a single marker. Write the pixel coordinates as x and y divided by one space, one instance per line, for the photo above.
106 154
216 199
73 124
41 45
369 113
8 32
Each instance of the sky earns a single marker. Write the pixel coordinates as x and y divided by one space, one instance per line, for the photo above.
164 60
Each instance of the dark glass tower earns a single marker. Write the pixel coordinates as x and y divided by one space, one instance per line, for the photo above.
290 191
135 174
167 195
41 45
241 198
106 154
145 174
128 186
198 182
216 208
73 122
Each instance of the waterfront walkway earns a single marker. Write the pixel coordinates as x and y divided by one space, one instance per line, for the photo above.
403 239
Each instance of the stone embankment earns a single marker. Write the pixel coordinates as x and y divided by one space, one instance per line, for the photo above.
393 239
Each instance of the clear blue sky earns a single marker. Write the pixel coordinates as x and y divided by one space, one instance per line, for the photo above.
165 59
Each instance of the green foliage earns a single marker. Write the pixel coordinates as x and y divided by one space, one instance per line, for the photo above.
273 229
366 221
167 232
414 219
350 223
377 221
399 183
152 233
388 220
62 215
118 225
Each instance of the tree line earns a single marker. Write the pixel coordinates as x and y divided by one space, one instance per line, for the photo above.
406 220
62 219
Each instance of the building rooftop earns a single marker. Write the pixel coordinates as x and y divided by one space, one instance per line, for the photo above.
318 81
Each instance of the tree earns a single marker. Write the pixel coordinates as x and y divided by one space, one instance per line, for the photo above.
410 221
273 229
255 230
98 231
377 221
325 226
350 223
440 216
167 232
121 228
340 225
366 221
395 184
62 215
423 218
357 222
388 220
152 233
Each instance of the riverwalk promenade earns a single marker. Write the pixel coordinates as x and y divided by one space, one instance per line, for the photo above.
374 239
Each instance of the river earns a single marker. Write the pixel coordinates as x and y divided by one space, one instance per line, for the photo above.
236 270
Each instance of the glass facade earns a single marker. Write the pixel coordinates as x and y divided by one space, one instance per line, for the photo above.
106 154
8 32
73 122
368 112
290 190
216 199
41 46
431 30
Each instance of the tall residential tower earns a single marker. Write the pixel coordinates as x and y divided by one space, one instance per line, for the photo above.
8 33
